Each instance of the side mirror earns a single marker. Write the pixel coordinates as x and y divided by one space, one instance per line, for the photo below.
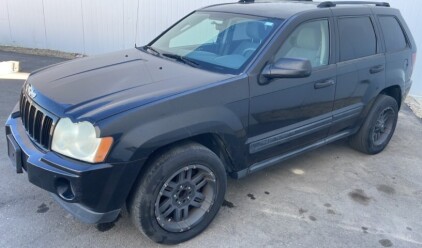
288 68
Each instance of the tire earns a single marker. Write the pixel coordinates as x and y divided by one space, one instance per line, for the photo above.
188 176
378 128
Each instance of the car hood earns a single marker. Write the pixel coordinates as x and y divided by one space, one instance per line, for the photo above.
98 87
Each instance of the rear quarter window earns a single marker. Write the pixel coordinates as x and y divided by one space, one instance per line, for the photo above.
357 38
395 40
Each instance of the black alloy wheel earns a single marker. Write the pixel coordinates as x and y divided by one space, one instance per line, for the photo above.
379 126
185 198
178 193
383 126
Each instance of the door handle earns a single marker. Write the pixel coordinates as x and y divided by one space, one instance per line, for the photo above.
324 84
376 69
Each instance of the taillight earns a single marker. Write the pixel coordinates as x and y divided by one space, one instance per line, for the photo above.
413 64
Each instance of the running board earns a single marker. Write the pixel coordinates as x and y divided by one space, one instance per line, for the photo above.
275 160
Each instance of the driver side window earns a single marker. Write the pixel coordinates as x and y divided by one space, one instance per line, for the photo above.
310 41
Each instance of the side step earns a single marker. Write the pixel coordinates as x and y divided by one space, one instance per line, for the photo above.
276 160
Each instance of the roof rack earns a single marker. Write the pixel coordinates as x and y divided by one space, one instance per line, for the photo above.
330 4
252 1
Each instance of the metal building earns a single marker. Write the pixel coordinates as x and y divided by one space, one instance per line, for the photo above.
98 26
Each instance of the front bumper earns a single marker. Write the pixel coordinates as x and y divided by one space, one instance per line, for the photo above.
92 193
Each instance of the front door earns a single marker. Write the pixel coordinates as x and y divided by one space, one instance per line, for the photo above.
286 114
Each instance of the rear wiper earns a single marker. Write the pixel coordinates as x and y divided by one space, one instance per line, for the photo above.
152 49
181 59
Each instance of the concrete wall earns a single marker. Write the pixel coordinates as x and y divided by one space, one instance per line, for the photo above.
99 26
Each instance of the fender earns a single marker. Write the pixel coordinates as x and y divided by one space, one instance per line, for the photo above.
223 112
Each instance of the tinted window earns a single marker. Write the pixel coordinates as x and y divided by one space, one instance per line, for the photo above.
310 41
393 34
357 38
222 42
193 35
240 31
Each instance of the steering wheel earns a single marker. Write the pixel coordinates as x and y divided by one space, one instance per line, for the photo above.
248 51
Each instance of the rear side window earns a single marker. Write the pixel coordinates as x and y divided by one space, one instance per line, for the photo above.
395 40
357 38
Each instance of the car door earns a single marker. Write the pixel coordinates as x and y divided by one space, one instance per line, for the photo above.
399 55
360 68
289 113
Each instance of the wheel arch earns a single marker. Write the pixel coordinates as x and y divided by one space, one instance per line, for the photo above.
212 141
395 92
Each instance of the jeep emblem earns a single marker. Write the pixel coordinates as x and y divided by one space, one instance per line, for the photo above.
30 91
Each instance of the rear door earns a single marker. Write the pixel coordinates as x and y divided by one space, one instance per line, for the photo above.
398 51
360 68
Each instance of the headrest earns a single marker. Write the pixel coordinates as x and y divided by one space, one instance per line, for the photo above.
309 38
256 31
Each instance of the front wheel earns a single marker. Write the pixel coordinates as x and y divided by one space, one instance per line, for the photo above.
378 128
180 194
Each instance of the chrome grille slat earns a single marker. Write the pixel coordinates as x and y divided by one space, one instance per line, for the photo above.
38 123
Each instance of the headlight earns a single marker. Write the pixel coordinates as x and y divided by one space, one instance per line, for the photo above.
79 141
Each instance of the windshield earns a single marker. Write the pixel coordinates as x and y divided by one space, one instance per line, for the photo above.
222 42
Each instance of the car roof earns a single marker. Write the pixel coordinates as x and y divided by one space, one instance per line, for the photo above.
274 8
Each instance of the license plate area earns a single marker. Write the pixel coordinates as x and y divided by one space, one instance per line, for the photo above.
15 153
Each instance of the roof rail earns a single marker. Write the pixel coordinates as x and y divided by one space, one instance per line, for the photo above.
252 1
330 4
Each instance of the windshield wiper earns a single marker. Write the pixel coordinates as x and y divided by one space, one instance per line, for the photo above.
181 59
152 49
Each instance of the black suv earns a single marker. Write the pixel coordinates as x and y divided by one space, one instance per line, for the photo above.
228 90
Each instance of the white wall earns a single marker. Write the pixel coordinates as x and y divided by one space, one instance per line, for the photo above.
99 26
89 26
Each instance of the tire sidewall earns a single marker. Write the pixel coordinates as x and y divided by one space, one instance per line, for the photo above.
381 104
153 185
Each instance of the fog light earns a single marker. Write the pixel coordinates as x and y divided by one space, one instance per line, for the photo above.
64 189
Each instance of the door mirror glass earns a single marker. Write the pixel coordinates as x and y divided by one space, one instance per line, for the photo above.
288 68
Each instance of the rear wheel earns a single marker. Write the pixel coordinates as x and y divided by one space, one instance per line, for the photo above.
378 128
180 194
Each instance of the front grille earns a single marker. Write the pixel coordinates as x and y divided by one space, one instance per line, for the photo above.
37 122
